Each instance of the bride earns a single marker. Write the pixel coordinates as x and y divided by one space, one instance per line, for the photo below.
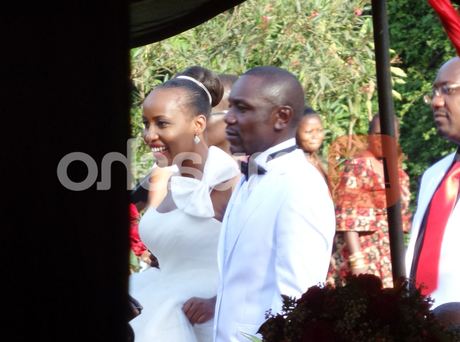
178 299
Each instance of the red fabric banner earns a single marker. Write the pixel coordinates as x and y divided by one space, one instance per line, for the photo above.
450 19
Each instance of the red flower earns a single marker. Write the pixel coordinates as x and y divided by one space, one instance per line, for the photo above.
136 244
349 222
362 211
133 213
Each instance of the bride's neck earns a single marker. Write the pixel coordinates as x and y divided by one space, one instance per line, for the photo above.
192 165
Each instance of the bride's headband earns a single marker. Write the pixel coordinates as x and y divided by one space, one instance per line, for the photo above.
198 83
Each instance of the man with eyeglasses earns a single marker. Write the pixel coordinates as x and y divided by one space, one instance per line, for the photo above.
432 254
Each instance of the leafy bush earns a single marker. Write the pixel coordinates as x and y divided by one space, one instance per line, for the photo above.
328 46
418 37
358 310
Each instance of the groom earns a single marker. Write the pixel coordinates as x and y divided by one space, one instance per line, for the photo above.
279 225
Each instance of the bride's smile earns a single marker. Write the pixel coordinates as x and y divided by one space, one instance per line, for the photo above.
169 128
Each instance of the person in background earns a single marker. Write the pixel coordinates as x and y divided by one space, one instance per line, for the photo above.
309 138
448 314
362 242
214 134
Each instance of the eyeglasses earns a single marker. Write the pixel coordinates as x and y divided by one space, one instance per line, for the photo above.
441 90
221 112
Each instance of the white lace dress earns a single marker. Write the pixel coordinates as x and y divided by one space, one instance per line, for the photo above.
185 243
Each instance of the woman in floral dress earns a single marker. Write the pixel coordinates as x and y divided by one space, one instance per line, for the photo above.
362 242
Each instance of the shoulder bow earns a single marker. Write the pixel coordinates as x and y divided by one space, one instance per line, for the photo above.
191 195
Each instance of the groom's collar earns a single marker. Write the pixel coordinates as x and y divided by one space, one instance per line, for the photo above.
264 157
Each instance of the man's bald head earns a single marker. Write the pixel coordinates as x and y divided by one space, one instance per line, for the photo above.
453 60
281 88
446 101
265 106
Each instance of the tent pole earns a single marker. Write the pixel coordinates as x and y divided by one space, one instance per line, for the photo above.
386 110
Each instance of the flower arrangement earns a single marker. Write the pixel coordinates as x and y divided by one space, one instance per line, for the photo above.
357 310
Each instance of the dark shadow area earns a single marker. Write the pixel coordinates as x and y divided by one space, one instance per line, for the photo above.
154 20
64 88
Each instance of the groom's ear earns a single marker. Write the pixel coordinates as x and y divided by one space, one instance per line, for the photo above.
283 116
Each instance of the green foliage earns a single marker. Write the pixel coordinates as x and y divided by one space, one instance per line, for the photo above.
418 37
329 48
250 337
133 262
326 44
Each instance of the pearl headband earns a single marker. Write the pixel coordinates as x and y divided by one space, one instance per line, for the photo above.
201 85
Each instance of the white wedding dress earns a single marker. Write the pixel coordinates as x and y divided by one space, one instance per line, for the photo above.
185 243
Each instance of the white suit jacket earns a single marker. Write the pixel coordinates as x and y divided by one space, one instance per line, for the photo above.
281 245
449 269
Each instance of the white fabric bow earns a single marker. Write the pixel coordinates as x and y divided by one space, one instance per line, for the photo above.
191 195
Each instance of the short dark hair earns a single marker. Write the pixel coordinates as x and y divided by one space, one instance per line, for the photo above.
282 88
308 111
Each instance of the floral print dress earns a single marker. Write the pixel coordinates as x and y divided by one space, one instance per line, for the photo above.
360 207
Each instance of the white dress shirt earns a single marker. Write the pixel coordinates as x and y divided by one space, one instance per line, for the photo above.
247 186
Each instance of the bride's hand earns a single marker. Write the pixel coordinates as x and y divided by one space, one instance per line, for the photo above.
199 310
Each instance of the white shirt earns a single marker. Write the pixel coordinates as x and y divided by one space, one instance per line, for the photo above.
246 188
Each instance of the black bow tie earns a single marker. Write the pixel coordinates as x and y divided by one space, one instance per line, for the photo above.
251 167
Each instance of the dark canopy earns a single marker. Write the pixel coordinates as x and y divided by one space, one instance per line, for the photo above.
154 20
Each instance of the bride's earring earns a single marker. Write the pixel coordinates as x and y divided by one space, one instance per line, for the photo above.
196 140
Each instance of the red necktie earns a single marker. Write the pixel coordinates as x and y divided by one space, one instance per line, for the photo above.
442 205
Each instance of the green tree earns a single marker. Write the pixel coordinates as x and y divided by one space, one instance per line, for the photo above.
418 37
326 44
